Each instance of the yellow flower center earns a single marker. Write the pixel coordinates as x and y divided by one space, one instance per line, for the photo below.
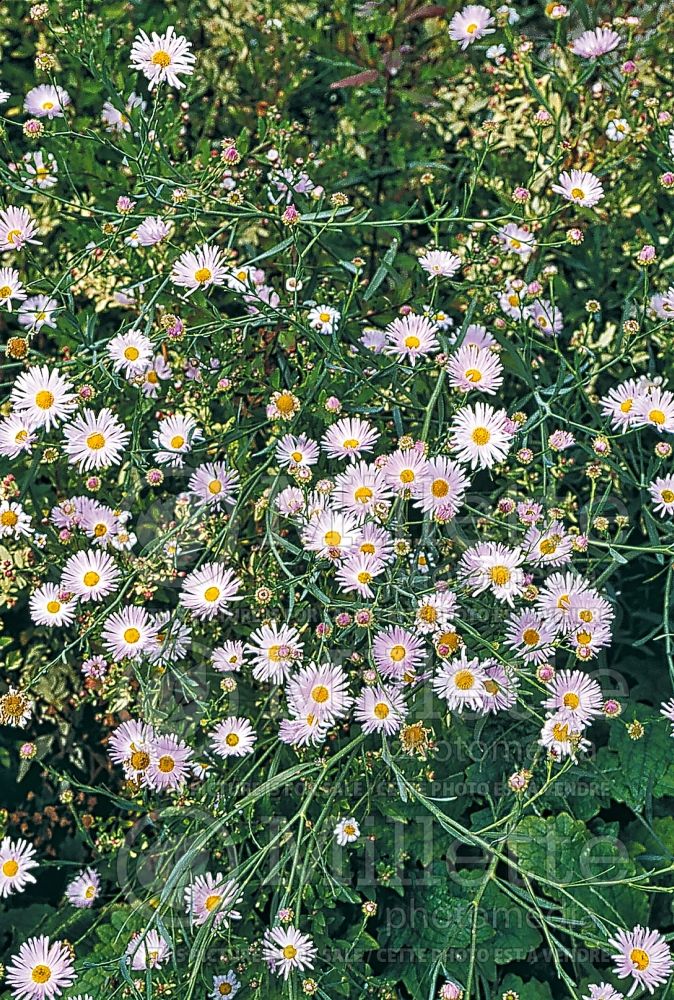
166 764
96 441
667 495
202 275
132 353
13 235
349 829
412 342
586 616
285 403
211 594
364 577
44 399
324 317
363 494
10 868
548 546
626 405
382 710
639 959
474 375
481 435
161 58
491 687
571 700
5 292
449 639
41 974
211 902
407 476
500 575
320 694
225 989
368 549
53 607
351 443
296 456
273 654
289 952
439 488
177 441
91 578
464 680
9 518
232 739
577 193
90 892
332 538
531 636
584 638
398 653
139 760
560 731
428 614
471 28
100 530
215 487
657 416
131 635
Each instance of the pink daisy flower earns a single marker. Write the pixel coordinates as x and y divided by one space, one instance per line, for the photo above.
592 44
213 896
411 337
500 688
443 489
380 709
579 186
41 970
530 636
461 682
440 264
169 763
398 653
642 954
475 369
471 23
574 698
349 438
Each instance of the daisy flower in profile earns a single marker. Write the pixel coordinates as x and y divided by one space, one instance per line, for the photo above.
95 440
41 969
530 636
17 857
169 766
273 650
592 44
443 489
296 452
579 186
407 472
213 895
656 409
307 731
357 573
349 438
233 737
43 396
286 948
495 567
398 653
152 230
461 683
347 831
325 319
228 657
471 23
475 368
47 606
90 576
148 951
380 709
199 268
561 740
602 991
667 709
621 402
209 590
214 484
46 101
174 439
40 173
661 491
500 688
574 698
16 228
118 121
332 535
642 954
10 287
83 891
16 436
479 435
546 317
157 371
14 521
37 311
411 337
517 240
128 632
130 352
321 690
440 264
225 986
162 58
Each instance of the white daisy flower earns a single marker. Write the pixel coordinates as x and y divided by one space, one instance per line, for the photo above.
411 337
325 319
214 484
127 633
440 264
118 121
479 435
43 396
174 439
233 737
209 590
95 440
37 311
332 535
461 683
296 452
579 186
471 23
48 606
163 58
16 436
225 986
83 891
90 576
286 948
10 287
274 649
349 438
130 352
199 268
14 521
347 831
380 709
46 101
17 858
16 228
475 369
